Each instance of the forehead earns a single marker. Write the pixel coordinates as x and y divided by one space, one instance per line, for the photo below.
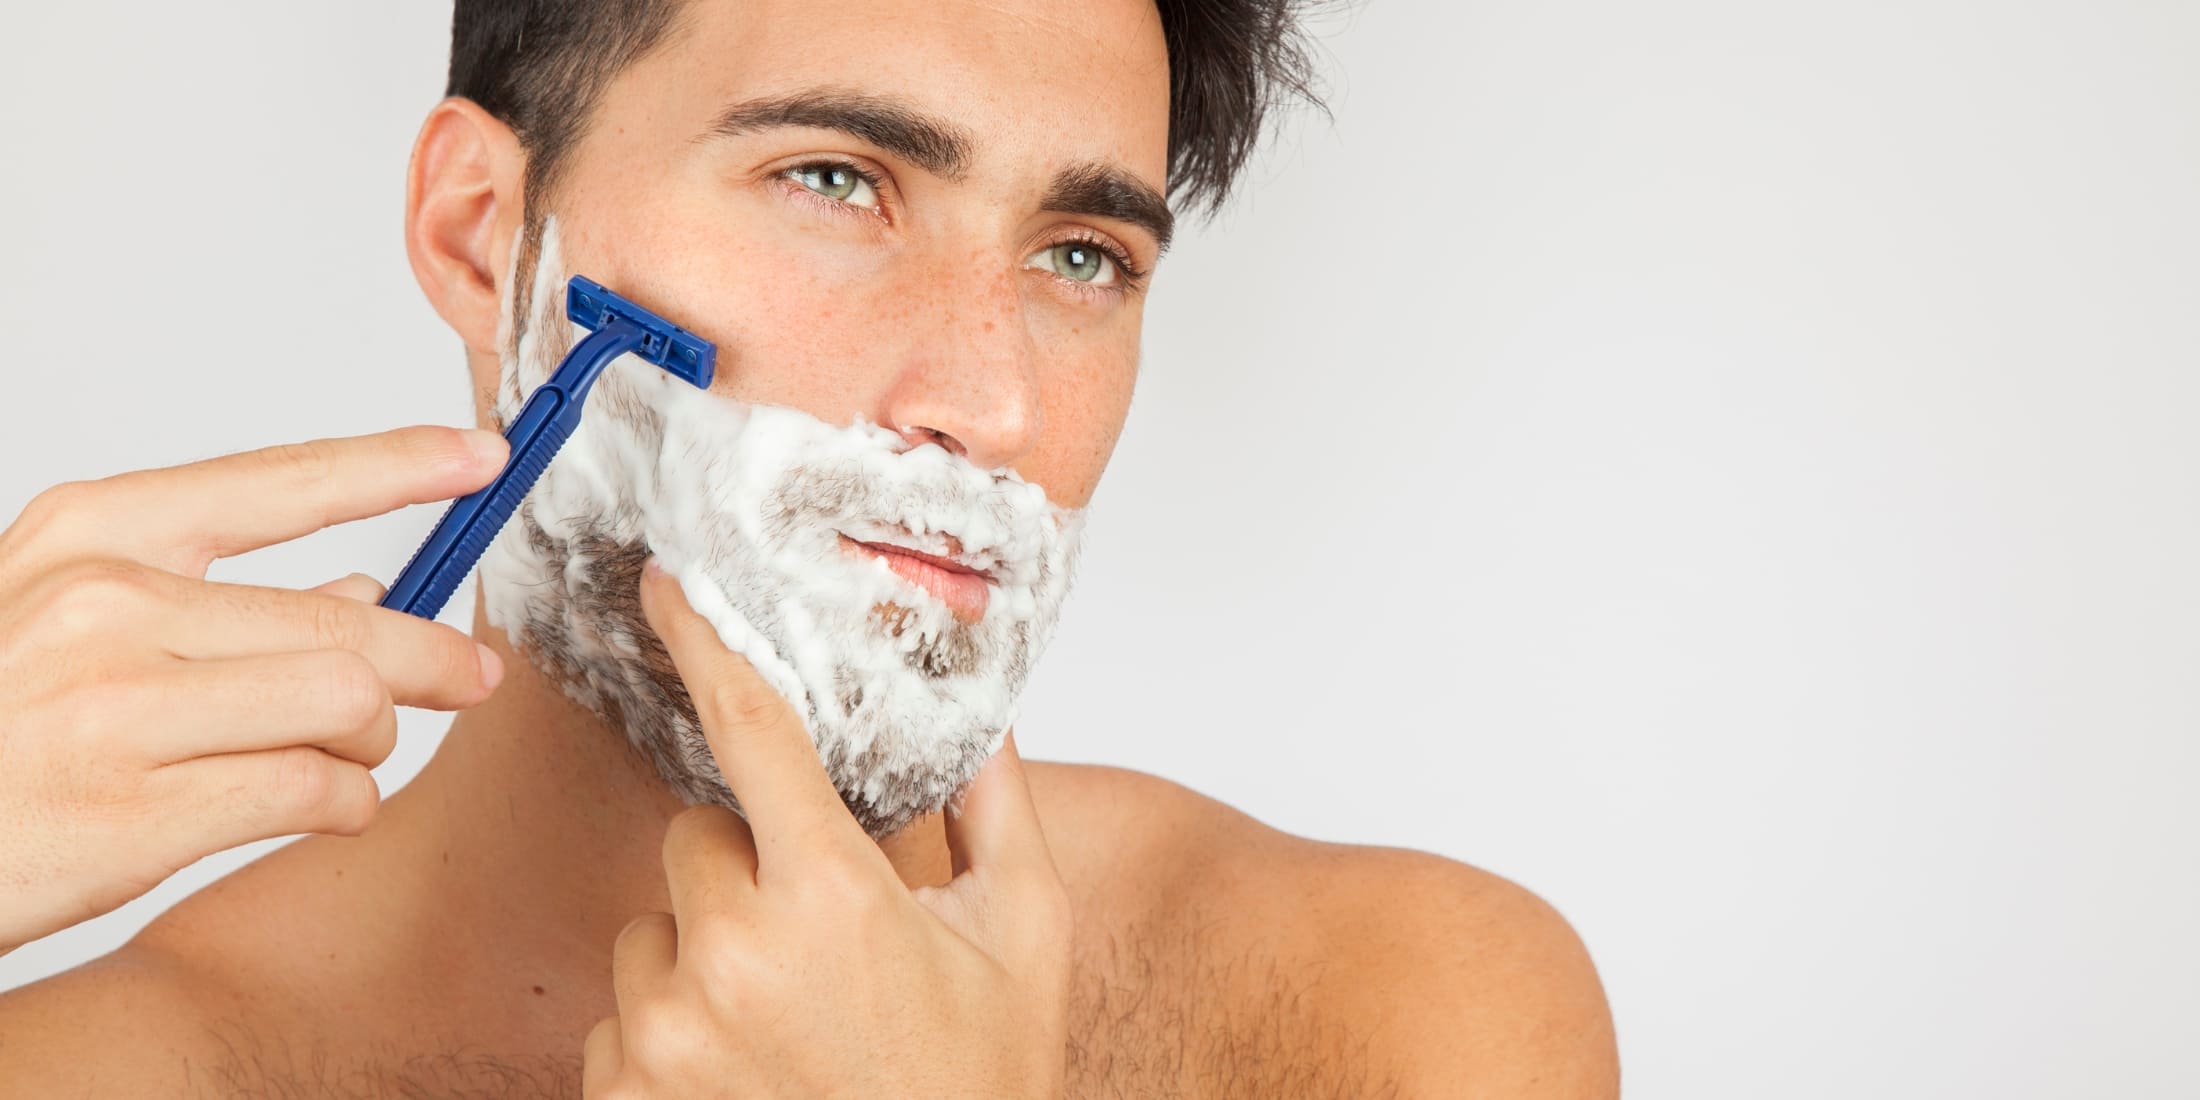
1031 80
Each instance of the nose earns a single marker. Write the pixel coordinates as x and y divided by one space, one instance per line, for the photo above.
970 381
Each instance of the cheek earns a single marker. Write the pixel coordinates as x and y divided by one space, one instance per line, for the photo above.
802 327
798 321
1085 396
1085 392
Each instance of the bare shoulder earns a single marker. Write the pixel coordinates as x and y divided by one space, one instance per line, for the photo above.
1438 977
127 1024
1470 984
144 1023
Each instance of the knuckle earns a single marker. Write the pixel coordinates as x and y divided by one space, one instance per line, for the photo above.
720 949
306 786
307 463
355 802
338 623
50 509
755 714
382 738
302 780
742 709
59 499
718 699
660 1033
87 596
351 690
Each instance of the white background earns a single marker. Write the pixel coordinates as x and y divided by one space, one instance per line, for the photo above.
1728 466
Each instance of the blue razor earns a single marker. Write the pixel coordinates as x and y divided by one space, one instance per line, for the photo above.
616 327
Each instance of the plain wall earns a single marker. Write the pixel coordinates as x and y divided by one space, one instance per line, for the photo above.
1728 466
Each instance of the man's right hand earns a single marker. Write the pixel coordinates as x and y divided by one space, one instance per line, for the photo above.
149 717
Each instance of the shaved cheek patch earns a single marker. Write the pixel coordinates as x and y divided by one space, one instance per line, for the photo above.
756 510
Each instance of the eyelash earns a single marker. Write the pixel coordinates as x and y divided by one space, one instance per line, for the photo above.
1129 276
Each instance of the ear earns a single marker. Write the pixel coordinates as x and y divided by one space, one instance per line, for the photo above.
463 206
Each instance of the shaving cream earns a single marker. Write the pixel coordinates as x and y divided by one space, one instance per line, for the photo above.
754 508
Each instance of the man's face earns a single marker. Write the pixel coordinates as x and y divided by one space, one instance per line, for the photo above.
948 300
936 223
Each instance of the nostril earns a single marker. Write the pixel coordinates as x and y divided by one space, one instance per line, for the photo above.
918 435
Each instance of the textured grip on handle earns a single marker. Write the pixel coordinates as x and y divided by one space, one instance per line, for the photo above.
466 529
443 561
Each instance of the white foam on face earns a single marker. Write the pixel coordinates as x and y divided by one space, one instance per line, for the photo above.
747 506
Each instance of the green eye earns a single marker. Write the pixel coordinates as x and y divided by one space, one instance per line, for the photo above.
837 182
1078 261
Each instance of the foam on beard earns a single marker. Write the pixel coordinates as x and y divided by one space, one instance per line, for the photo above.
746 505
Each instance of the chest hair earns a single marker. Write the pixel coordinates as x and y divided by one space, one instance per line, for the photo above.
1183 1014
1152 1014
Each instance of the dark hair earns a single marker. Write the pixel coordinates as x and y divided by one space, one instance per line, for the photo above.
539 66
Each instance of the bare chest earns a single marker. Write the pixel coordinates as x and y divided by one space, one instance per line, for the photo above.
1150 1017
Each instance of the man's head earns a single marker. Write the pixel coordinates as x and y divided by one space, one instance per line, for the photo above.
934 218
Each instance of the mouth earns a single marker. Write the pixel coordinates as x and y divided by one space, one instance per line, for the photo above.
964 590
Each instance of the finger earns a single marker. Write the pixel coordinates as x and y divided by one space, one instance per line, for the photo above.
601 1057
425 664
643 957
995 823
761 747
995 826
331 699
357 586
1006 894
237 798
183 517
710 862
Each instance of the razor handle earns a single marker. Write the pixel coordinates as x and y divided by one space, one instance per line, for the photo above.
472 521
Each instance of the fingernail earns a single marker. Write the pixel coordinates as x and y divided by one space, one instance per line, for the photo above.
492 667
653 567
488 446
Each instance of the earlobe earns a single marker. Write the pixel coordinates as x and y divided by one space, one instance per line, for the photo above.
462 209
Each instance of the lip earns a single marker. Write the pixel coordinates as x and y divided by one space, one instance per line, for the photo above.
964 590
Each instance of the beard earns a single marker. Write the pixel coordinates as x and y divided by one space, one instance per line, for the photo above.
753 508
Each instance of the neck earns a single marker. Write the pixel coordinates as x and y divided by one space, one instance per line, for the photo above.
535 818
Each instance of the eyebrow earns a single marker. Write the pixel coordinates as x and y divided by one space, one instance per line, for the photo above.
945 149
1106 191
938 147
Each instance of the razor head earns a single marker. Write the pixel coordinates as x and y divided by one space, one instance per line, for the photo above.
687 356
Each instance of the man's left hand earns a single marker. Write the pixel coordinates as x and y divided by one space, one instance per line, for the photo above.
795 963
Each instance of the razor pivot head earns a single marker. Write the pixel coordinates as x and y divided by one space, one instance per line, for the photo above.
687 356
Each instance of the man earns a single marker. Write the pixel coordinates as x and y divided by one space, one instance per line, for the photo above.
920 236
